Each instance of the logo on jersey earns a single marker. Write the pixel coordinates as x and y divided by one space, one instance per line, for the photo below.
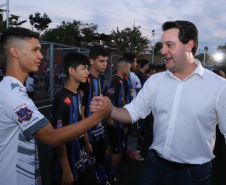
24 114
120 81
111 91
88 79
67 101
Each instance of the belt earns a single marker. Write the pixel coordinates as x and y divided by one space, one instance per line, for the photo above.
173 164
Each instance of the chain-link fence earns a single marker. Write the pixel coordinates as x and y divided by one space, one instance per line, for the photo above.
51 77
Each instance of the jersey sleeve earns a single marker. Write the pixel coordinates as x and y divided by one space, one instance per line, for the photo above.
22 110
112 90
60 115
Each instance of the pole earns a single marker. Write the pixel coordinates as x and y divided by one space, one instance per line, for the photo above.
204 58
153 34
7 13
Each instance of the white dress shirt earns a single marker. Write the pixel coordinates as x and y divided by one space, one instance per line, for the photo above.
185 113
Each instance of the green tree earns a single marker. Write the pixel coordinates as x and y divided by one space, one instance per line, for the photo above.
66 32
89 32
40 22
158 47
129 40
14 20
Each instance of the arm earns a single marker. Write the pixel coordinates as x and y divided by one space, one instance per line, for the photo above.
117 114
67 176
58 137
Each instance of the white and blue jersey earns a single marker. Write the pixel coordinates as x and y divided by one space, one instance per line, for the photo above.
19 120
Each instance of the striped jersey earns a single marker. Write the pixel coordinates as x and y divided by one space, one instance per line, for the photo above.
92 88
67 110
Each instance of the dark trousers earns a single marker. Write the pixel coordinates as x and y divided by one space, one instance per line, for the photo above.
156 172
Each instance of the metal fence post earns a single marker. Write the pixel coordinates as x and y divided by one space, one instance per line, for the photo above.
51 72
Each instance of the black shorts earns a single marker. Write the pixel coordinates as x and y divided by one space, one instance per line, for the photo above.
99 152
115 139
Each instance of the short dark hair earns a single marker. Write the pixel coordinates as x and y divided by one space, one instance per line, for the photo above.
74 59
130 56
188 31
143 62
96 51
151 67
17 33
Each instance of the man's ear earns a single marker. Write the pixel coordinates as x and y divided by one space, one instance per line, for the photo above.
190 45
14 52
71 71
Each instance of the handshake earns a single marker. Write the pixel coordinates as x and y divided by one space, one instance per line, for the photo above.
101 104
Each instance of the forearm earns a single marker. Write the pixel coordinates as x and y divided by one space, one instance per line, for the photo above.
58 137
62 156
121 115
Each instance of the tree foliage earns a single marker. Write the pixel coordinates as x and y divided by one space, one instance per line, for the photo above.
129 40
40 22
89 31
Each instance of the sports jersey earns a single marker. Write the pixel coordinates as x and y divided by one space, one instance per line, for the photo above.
142 78
115 91
19 120
92 88
127 84
67 110
136 85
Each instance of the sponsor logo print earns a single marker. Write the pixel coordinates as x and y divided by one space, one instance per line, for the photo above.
67 101
24 114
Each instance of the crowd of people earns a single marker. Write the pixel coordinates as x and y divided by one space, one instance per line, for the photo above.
90 132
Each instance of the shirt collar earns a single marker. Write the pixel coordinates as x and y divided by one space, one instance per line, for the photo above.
13 80
199 70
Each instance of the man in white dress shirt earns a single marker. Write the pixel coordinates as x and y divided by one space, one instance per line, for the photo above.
187 101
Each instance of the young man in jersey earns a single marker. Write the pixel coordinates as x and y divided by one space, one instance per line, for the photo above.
67 109
115 92
20 120
95 142
133 132
143 69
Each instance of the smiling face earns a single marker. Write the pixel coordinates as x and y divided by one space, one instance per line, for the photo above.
174 52
29 55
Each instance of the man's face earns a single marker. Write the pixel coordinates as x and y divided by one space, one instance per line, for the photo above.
100 64
30 55
126 70
146 67
174 51
80 74
134 64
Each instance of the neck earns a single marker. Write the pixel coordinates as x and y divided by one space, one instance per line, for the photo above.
186 71
120 75
15 72
94 72
72 85
142 70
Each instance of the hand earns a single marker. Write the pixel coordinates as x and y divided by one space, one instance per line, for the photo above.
67 178
106 107
96 103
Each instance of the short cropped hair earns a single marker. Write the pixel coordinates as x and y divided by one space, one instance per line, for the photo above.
96 51
12 34
122 62
143 62
188 31
74 59
130 56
